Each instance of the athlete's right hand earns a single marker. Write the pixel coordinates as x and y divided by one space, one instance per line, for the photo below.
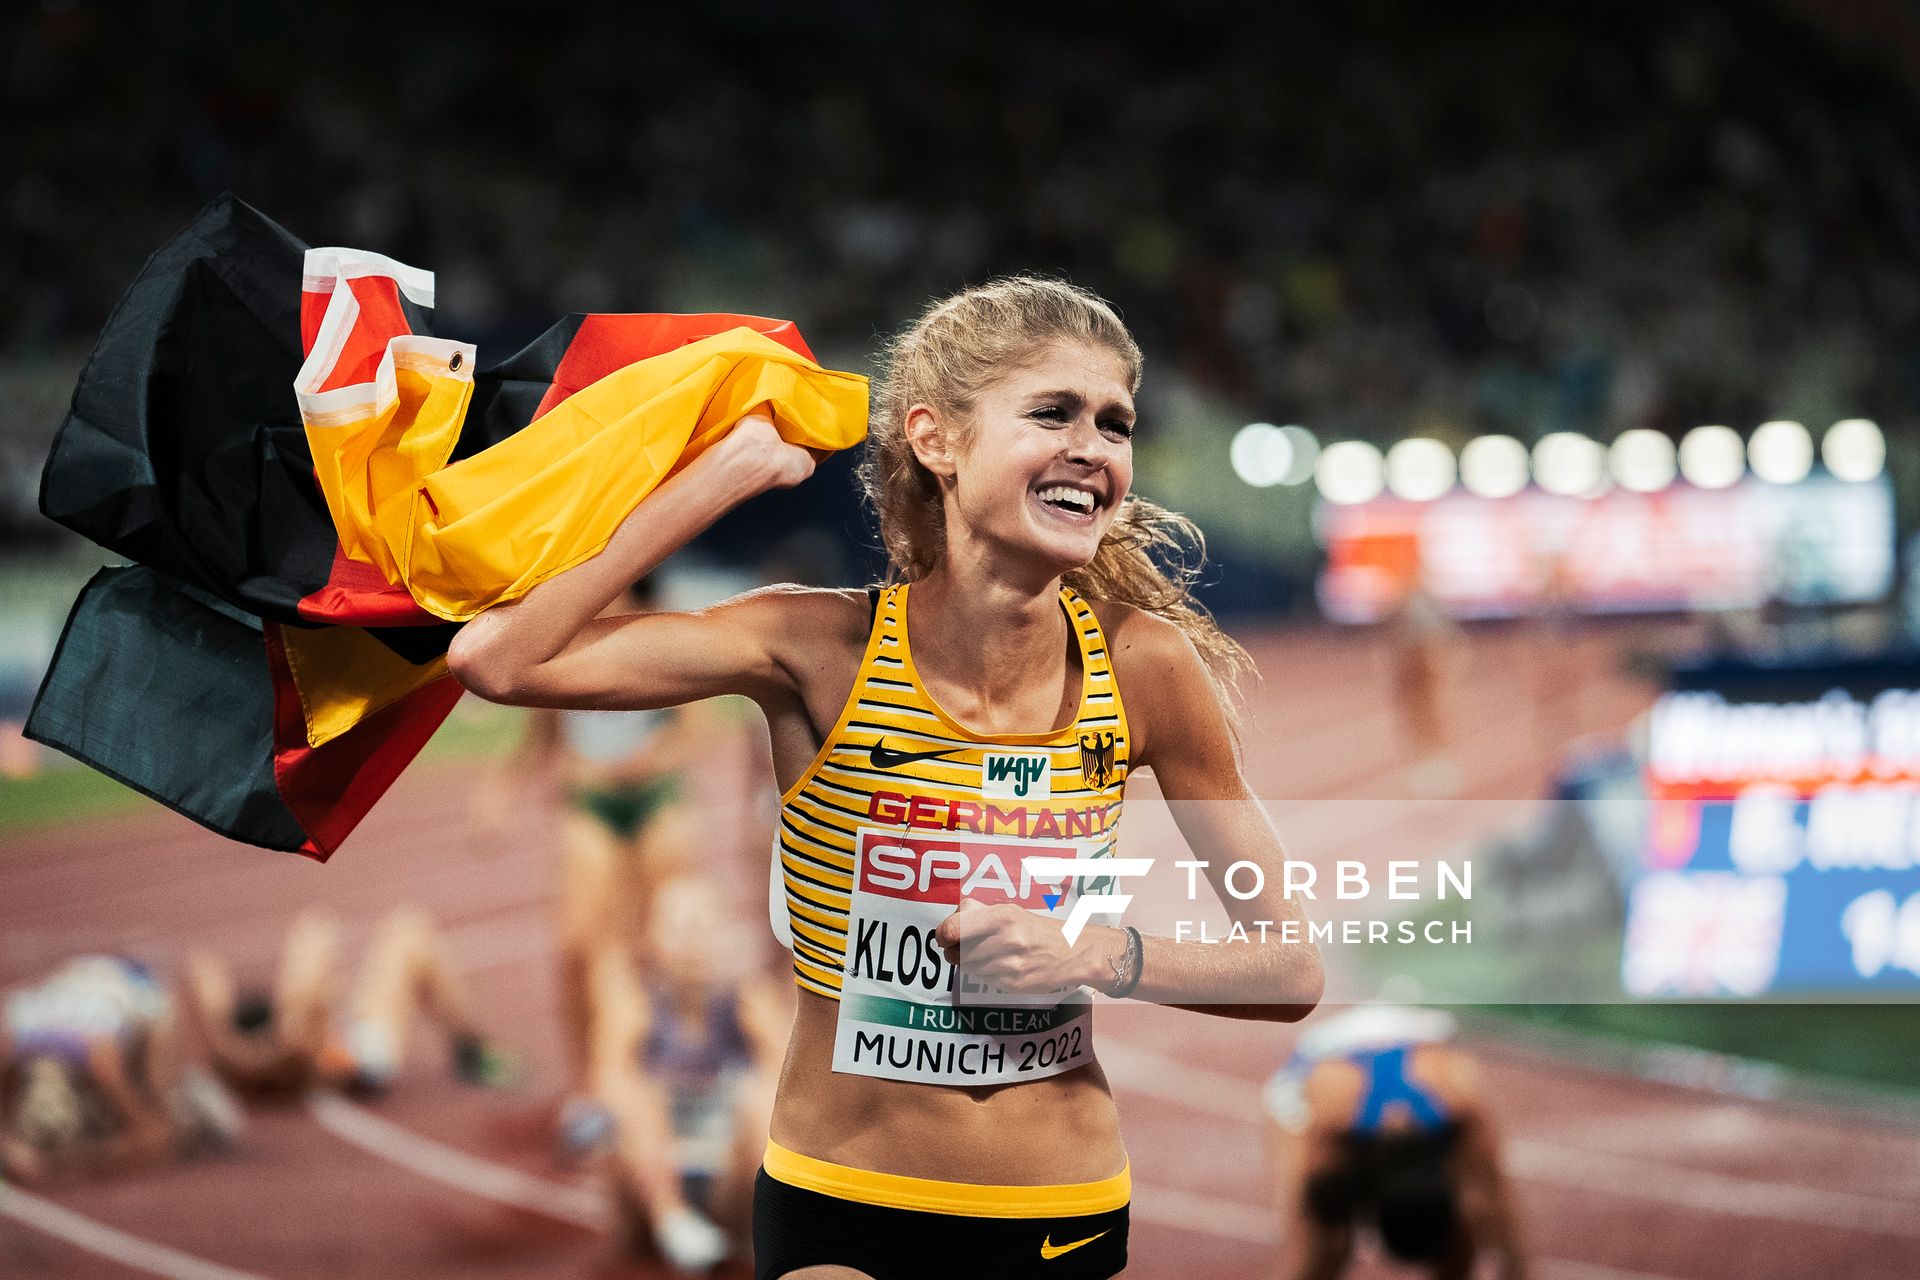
755 449
1011 948
549 648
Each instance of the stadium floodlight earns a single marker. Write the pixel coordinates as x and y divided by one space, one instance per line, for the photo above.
1712 457
1780 452
1261 454
1854 449
1349 471
1420 469
1570 464
1642 460
1494 466
1306 452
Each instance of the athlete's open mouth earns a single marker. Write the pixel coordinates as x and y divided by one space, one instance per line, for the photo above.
1069 499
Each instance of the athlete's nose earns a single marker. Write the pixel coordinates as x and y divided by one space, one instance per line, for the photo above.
1085 446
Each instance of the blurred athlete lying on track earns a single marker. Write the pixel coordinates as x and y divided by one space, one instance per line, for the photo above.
289 1039
91 1074
1377 1123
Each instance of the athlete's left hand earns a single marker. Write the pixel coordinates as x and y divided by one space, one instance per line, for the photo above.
1014 949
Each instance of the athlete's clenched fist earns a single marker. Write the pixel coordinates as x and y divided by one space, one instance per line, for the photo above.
1020 950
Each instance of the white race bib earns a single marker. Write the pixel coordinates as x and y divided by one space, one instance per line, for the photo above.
905 1013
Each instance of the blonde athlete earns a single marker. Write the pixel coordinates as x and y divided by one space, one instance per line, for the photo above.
942 1111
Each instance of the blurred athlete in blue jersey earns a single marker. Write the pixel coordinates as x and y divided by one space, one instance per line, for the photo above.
1379 1124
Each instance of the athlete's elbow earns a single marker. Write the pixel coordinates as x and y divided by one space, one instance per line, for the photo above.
1305 982
482 668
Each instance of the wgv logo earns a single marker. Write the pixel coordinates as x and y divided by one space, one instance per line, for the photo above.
1024 775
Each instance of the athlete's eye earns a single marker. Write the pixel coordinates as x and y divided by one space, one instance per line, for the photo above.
1048 413
1118 427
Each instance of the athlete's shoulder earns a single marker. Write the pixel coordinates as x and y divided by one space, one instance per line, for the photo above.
808 630
787 601
1152 657
1170 695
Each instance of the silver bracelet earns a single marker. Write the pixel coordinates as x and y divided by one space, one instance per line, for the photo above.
1126 968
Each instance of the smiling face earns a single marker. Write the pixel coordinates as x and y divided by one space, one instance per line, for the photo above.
1038 470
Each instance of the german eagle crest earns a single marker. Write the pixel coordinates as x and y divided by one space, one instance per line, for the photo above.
1096 758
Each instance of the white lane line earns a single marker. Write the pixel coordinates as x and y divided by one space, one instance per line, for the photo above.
580 1206
1228 1097
1171 1207
1165 1079
98 1238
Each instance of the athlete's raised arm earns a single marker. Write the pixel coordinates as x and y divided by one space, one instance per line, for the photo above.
548 648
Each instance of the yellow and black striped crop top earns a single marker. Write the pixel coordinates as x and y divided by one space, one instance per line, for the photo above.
895 761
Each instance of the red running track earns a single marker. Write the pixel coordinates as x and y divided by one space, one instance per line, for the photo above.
1619 1179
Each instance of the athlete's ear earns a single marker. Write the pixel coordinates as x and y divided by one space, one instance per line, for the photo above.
932 443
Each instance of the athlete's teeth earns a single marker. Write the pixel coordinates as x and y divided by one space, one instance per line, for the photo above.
1060 493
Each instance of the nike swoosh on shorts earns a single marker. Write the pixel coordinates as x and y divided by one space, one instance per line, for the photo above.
1049 1250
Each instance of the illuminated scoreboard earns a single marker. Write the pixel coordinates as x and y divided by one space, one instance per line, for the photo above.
1782 854
1822 541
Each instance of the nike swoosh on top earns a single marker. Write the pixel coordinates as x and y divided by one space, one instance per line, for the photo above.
885 757
1049 1250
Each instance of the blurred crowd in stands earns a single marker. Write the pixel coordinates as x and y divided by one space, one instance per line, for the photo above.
1375 219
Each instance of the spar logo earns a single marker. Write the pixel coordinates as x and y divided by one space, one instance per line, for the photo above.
1016 775
1034 874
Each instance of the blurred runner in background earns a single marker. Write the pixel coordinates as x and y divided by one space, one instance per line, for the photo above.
686 1059
289 1039
624 828
91 1074
1377 1122
1426 658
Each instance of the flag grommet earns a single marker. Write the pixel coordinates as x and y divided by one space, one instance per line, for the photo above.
454 364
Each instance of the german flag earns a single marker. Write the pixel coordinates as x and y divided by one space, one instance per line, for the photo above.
314 492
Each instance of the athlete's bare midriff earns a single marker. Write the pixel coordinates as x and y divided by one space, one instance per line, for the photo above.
1059 1130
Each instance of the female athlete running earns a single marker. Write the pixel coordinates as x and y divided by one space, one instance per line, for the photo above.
941 1110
